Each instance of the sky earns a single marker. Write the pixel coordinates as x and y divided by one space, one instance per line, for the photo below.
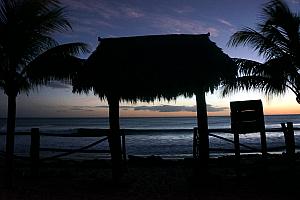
116 18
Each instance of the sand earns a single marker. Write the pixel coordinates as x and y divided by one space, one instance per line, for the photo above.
158 179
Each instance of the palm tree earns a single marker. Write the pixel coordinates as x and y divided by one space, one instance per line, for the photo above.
29 56
277 40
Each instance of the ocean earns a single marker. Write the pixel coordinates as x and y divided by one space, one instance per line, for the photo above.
168 137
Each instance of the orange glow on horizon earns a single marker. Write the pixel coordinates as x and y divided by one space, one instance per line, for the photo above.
281 110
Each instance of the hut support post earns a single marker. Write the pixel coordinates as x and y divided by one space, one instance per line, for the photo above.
203 142
114 138
35 151
10 140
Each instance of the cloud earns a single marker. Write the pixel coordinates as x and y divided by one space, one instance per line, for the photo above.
171 108
121 107
230 26
99 7
131 12
225 22
166 108
94 108
77 108
109 16
211 108
101 106
58 85
91 19
81 108
159 108
295 1
105 9
174 24
184 10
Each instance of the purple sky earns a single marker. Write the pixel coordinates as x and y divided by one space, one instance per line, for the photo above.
114 18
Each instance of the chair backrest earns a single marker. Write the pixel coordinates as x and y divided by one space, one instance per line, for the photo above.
248 117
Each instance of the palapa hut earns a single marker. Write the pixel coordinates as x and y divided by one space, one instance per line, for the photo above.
153 67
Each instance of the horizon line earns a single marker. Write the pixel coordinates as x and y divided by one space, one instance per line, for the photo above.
140 116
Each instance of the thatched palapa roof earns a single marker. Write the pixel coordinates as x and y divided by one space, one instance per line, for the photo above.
156 66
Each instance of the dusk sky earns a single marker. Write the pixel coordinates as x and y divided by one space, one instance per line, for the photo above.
114 18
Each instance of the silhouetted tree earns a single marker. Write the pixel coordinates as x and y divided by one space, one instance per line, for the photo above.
29 56
276 38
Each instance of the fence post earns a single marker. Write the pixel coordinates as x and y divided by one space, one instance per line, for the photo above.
35 151
124 145
195 138
289 139
124 153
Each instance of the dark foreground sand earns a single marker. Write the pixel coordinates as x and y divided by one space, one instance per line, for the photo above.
158 179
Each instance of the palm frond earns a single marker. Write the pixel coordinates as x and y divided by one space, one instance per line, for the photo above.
278 39
247 67
31 24
269 77
53 21
276 35
266 85
58 63
37 45
278 16
26 28
68 49
5 6
264 46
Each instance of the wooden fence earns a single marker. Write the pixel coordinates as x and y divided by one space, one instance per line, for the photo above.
286 128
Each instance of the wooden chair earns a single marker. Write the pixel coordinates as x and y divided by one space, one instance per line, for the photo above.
248 117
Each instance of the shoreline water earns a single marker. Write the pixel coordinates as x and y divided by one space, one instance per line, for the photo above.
165 137
141 122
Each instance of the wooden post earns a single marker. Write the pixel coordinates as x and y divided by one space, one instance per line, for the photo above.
124 146
289 138
35 151
10 140
202 145
114 138
202 122
195 142
237 150
124 153
263 141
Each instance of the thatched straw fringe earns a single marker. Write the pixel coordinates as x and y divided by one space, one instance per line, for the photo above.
146 68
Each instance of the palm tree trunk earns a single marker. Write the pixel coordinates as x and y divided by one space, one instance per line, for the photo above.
114 138
203 142
10 139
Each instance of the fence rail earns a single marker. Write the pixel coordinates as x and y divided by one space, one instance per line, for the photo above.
35 148
35 134
286 128
102 134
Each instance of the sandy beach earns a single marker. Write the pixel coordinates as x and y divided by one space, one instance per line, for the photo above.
153 178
